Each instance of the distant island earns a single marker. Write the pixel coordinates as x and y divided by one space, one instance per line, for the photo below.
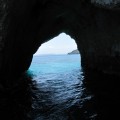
74 52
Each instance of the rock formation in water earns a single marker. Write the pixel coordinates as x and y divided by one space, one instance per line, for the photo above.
26 24
73 52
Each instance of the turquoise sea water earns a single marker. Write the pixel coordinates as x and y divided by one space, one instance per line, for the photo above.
59 82
46 64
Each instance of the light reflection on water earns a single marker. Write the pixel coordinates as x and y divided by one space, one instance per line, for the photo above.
60 90
58 96
60 93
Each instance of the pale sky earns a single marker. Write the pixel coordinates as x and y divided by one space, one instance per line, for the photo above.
62 44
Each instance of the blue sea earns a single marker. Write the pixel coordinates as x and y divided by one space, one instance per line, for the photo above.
55 88
54 64
59 82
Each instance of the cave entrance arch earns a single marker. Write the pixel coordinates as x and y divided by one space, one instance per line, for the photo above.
61 44
56 52
56 70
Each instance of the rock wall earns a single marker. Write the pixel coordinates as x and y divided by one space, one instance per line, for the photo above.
98 41
29 23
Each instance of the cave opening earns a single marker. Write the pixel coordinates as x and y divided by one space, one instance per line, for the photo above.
61 48
56 68
24 25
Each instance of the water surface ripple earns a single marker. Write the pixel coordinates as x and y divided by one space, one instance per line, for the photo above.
60 93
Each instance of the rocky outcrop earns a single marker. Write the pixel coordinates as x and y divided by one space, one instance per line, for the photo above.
73 52
27 24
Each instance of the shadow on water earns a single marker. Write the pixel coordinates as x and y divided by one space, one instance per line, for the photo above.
28 100
106 91
15 102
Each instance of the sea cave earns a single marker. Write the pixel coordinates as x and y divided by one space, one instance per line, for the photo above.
95 27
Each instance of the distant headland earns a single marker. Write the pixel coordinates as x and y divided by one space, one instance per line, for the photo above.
74 52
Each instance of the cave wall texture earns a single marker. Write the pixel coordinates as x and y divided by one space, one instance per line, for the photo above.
26 24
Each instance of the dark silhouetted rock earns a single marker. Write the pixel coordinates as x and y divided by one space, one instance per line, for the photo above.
25 25
95 26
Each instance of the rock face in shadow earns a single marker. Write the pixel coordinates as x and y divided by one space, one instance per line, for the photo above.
25 25
95 26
